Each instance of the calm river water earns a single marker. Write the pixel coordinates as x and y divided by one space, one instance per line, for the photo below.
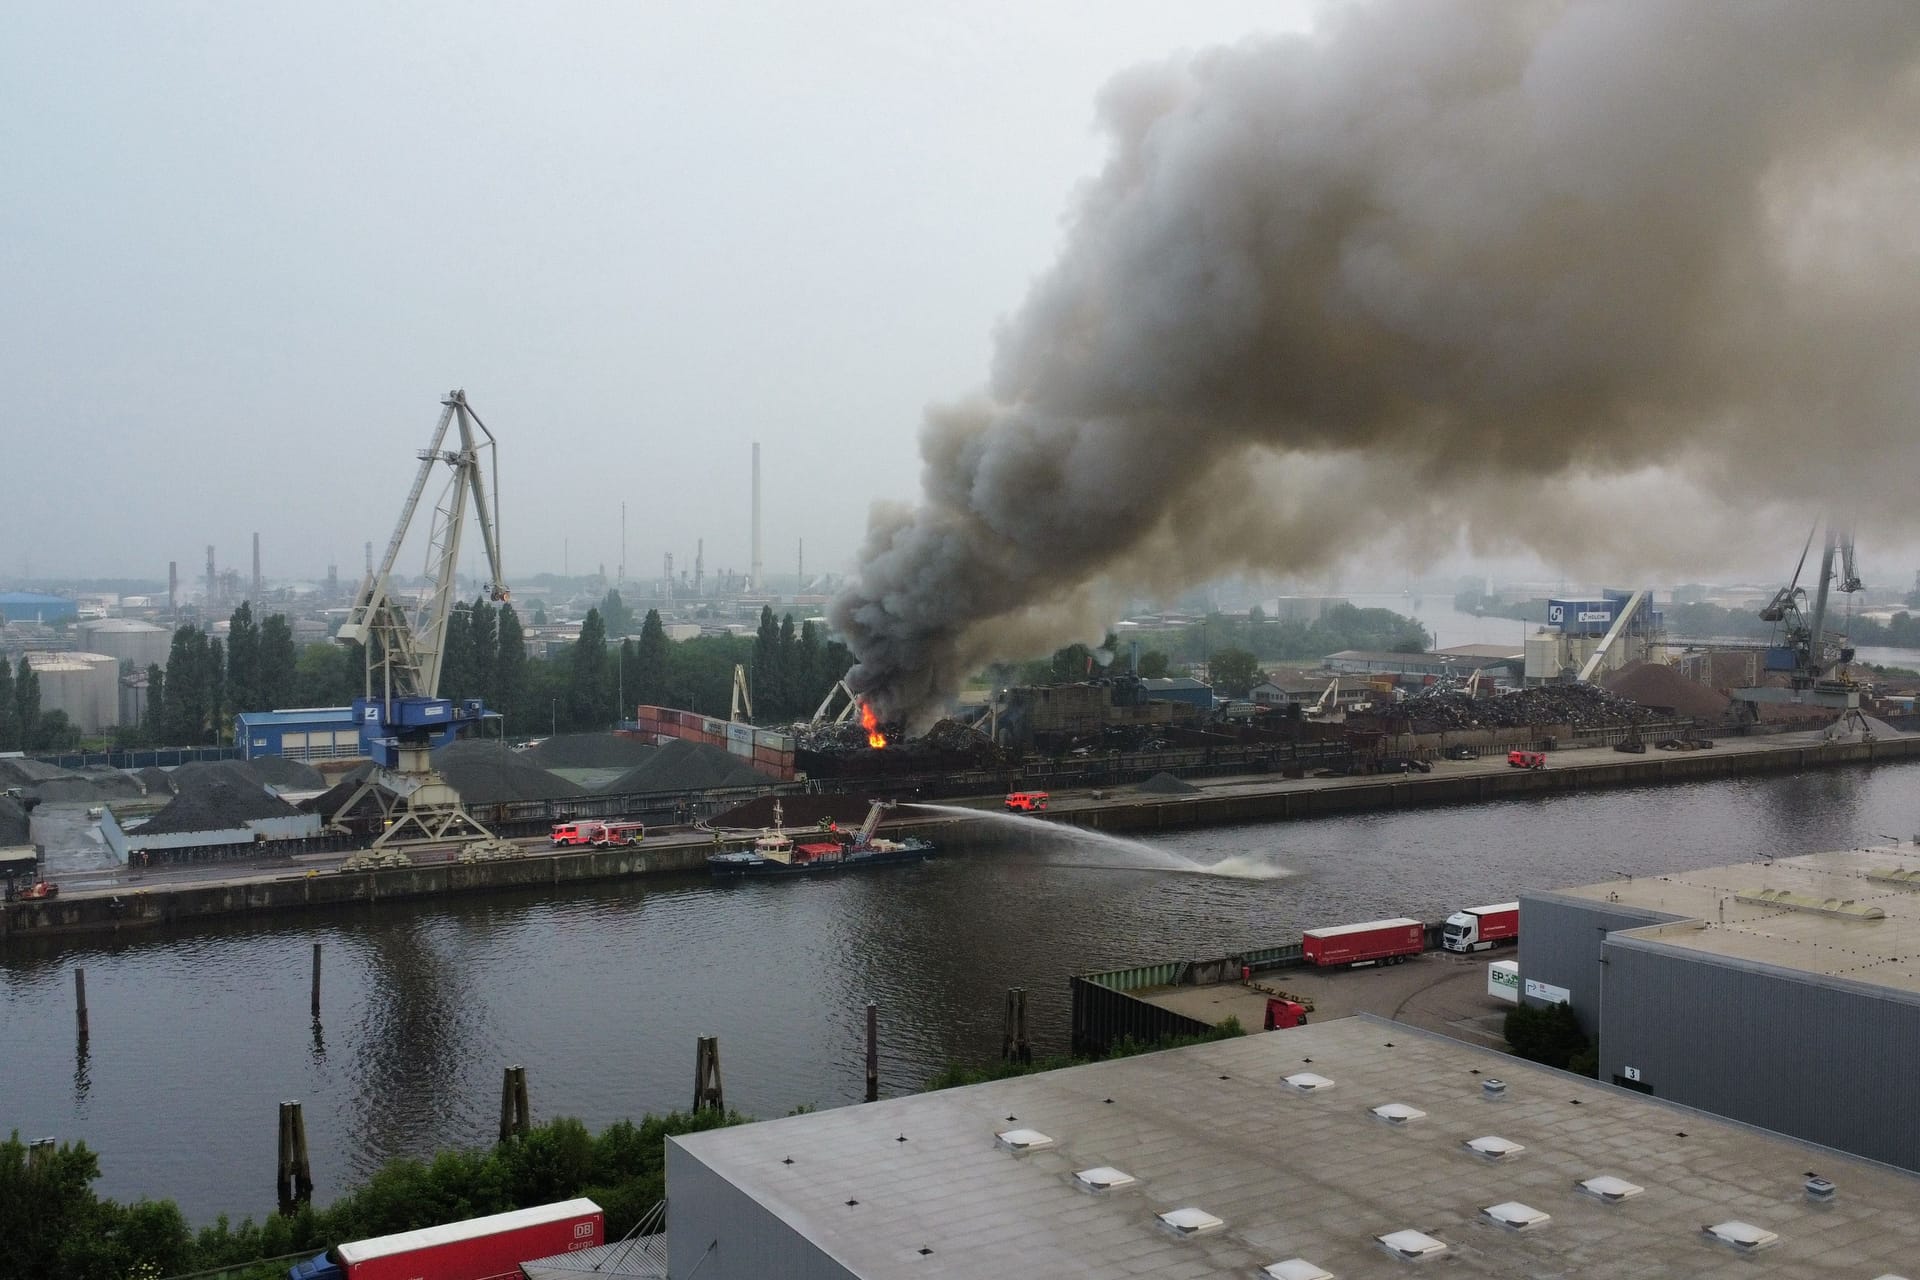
602 991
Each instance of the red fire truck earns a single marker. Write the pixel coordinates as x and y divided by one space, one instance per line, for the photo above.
598 834
490 1248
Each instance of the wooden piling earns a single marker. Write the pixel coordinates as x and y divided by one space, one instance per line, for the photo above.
283 1179
522 1110
707 1089
1014 1045
80 998
316 979
873 1052
302 1167
506 1105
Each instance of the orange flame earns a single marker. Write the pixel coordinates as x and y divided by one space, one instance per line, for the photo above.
871 723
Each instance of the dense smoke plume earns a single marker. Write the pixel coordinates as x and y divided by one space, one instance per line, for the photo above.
1593 278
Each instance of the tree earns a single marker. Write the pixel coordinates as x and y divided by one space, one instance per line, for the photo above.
154 717
649 674
327 675
278 662
539 614
510 680
9 717
26 704
587 692
217 704
1546 1033
1153 665
456 657
243 661
769 668
483 649
1234 671
55 732
189 688
617 615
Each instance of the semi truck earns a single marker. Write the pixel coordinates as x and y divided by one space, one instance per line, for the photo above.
1374 942
490 1248
1479 928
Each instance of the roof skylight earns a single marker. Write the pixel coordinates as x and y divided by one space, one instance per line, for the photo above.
1511 1213
1308 1081
1411 1245
1190 1222
1743 1236
1611 1189
1295 1269
1398 1112
1104 1178
1494 1148
1023 1140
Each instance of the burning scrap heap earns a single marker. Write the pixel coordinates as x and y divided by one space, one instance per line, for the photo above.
868 750
1428 270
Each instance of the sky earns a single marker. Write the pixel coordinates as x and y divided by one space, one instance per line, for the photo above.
245 249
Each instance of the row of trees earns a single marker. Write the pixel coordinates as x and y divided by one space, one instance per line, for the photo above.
23 725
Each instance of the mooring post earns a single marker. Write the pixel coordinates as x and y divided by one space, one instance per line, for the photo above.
316 979
302 1169
1021 1045
80 998
283 1181
707 1089
873 1052
522 1112
1006 1029
506 1105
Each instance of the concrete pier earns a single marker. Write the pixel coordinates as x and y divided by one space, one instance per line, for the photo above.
1257 798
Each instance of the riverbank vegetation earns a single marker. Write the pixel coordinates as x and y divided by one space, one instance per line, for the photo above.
53 1224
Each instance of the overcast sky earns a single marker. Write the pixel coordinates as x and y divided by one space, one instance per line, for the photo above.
244 249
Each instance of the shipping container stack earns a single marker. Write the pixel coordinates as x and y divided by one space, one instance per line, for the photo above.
766 750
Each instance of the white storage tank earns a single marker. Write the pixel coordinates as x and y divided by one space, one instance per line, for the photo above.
84 685
128 639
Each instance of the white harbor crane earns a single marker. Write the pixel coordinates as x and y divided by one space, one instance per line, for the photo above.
1813 660
401 715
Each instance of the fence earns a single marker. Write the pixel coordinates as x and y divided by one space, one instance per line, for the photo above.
145 758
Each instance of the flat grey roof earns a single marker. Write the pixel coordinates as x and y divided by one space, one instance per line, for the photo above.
1314 1175
1815 913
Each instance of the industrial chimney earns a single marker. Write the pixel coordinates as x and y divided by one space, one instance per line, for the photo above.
759 582
173 590
256 567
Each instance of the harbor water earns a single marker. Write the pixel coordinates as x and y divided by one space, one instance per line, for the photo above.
195 1037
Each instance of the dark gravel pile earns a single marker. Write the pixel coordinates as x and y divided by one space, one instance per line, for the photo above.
55 785
1165 784
215 796
15 828
293 775
1584 706
155 780
686 766
487 773
1652 684
799 812
328 803
591 751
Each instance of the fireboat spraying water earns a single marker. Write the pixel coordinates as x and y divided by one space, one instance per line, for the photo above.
777 853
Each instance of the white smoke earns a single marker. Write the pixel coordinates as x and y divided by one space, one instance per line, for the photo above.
1593 278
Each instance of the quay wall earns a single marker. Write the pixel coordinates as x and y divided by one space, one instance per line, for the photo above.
137 909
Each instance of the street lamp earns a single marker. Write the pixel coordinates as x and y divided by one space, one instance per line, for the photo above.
553 717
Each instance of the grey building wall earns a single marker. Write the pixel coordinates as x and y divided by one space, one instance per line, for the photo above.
747 1241
1560 942
1823 1059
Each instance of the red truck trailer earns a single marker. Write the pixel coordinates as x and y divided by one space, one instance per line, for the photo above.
1374 942
1478 928
490 1248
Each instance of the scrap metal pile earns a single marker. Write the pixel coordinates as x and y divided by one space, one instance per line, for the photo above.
842 750
1582 706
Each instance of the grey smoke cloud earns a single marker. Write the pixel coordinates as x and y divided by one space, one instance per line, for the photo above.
1590 277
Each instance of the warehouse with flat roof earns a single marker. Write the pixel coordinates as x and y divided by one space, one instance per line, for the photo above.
1346 1148
1784 993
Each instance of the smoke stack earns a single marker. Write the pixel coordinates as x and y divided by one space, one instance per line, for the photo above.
256 567
800 567
173 589
700 563
757 584
213 580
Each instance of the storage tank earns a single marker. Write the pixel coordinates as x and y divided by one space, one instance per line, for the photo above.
128 639
84 685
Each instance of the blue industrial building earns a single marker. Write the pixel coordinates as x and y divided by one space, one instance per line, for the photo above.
1178 689
29 606
305 733
1592 615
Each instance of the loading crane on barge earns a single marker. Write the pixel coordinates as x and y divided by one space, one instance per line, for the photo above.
401 716
1812 658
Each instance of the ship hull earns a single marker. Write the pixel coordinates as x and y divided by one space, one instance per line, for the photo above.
737 867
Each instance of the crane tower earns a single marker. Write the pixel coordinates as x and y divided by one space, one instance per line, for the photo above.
401 715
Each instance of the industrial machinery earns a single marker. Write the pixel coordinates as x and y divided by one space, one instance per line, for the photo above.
1812 658
401 716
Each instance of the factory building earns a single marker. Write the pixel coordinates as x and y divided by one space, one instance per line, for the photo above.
86 686
128 639
302 733
29 606
1785 994
1578 627
1349 1148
